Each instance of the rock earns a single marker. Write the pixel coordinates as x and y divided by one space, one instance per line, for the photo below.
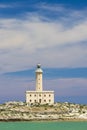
19 111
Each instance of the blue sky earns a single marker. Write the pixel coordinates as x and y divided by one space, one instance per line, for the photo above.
50 32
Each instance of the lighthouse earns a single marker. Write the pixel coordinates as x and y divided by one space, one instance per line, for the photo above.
39 96
39 84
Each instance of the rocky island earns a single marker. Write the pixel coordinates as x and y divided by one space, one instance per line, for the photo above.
19 111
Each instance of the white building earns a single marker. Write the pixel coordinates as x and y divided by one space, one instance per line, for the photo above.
39 96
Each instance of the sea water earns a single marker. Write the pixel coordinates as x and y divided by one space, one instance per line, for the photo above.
43 125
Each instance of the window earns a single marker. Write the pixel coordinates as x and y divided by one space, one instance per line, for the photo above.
30 100
35 95
44 95
44 100
35 101
30 95
49 95
40 95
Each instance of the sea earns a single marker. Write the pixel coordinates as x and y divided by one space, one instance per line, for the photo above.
43 125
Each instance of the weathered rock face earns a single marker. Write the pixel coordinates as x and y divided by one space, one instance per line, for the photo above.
12 111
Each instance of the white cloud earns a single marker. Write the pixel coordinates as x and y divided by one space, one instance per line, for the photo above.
5 6
67 87
17 32
50 7
11 86
24 43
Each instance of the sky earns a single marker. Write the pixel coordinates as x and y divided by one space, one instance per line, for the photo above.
52 33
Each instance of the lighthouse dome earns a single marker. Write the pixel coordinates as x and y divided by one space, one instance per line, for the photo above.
39 70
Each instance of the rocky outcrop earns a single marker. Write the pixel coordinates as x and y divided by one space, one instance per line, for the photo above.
19 111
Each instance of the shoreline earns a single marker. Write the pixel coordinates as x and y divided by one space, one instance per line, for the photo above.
43 120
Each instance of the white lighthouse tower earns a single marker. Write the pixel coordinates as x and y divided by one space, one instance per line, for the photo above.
39 72
39 96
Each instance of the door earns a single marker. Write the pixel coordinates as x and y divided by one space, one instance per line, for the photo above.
39 100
